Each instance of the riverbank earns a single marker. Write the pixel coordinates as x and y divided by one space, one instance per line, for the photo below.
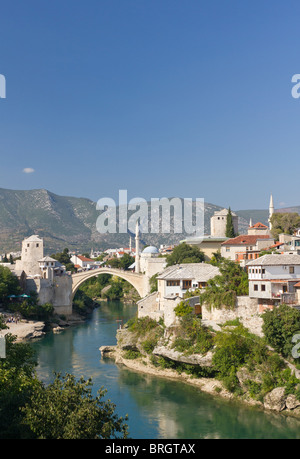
148 347
143 365
26 330
276 402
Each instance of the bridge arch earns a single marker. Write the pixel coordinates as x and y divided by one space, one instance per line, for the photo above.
135 279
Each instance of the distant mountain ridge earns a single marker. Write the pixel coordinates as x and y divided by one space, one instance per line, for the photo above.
64 221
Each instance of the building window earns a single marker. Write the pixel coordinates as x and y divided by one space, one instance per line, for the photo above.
173 283
227 249
255 287
187 284
263 288
263 271
37 245
292 269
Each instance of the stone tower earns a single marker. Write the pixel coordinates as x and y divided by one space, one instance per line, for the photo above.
218 223
32 252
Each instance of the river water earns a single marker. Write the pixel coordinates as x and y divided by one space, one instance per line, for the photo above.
157 408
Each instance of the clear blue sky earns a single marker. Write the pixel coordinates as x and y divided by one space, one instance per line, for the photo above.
159 97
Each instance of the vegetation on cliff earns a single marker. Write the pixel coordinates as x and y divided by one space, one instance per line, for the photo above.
223 289
245 364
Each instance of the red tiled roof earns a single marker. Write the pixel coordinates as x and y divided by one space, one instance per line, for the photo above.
278 244
259 225
82 258
245 239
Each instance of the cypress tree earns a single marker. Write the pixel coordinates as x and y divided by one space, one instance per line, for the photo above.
229 225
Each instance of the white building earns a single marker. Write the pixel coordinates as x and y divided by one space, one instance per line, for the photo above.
49 267
177 280
173 283
85 263
272 279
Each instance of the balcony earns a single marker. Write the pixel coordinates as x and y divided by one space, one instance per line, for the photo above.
288 298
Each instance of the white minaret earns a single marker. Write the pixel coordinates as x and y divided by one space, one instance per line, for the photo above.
250 223
271 211
137 248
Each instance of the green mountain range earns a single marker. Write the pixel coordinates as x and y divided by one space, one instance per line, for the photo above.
64 221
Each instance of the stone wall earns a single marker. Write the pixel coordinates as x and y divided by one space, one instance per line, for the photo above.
246 309
57 293
156 308
148 306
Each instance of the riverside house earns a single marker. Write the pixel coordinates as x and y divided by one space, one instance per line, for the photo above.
273 279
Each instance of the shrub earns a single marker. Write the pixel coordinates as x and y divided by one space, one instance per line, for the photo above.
193 337
33 311
149 344
183 309
131 354
142 326
279 326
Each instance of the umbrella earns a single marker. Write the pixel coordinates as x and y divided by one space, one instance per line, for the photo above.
24 296
11 296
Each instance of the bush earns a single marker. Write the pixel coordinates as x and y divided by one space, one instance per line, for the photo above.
149 344
193 337
33 311
9 284
142 326
183 309
279 327
131 354
223 289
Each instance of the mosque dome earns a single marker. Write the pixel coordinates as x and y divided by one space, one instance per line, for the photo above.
151 249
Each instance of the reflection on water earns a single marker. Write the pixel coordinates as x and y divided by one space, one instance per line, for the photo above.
157 408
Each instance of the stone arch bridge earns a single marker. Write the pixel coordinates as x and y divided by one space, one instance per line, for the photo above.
138 281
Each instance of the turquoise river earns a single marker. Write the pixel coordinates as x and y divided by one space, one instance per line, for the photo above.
157 408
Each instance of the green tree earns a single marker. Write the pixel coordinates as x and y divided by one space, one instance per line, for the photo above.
17 382
65 259
185 253
279 326
66 409
114 263
229 232
9 284
286 222
223 289
116 290
126 261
